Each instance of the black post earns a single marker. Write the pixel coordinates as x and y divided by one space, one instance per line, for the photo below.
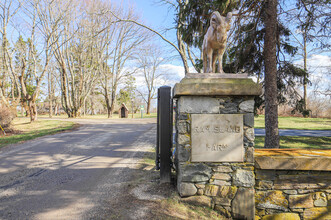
157 159
165 133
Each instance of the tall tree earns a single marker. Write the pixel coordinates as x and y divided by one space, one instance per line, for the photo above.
252 50
270 63
125 39
30 64
10 92
74 47
312 36
150 61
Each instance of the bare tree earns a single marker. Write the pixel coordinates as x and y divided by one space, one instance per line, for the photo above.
124 39
181 47
9 9
26 65
312 20
74 47
150 61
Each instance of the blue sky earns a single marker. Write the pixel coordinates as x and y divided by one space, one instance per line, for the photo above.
152 12
155 15
159 17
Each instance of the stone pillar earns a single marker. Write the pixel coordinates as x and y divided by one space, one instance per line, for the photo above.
215 142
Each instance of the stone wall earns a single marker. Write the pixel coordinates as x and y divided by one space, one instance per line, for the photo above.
266 184
282 185
292 192
226 187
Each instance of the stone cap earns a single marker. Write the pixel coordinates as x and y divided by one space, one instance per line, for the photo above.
212 84
215 75
292 159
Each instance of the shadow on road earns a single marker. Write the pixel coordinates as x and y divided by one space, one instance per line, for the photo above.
72 175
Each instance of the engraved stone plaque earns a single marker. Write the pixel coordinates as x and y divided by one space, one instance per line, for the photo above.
217 138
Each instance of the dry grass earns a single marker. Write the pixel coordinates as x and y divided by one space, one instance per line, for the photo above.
23 130
172 207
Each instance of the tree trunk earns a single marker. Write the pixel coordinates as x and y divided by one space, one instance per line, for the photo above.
56 108
50 108
182 53
112 107
181 44
112 101
84 107
270 63
33 110
132 108
148 104
305 76
50 95
26 108
92 106
108 105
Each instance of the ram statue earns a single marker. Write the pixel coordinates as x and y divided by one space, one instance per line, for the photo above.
214 42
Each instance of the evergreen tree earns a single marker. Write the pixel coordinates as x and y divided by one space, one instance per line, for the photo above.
249 47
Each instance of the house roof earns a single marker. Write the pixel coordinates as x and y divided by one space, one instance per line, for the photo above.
123 105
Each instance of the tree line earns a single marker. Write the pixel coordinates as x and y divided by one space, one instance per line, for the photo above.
94 47
77 46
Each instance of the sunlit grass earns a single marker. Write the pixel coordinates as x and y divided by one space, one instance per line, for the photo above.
27 131
297 123
298 142
102 116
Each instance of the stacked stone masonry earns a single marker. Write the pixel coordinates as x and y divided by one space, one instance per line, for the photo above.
225 187
258 187
230 188
299 194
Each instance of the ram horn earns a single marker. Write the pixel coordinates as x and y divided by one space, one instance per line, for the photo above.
228 17
218 16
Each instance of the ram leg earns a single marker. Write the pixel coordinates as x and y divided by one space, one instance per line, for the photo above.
220 60
209 60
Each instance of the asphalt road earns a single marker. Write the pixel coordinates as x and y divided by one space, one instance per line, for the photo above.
302 133
72 175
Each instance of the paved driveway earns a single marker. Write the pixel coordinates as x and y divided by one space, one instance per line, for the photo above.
72 175
303 133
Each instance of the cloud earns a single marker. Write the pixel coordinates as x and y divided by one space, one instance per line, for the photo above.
316 63
171 74
319 67
175 73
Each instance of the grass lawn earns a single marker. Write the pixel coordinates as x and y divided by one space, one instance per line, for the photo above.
102 116
27 131
297 123
299 142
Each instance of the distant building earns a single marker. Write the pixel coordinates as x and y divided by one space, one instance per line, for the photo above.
123 112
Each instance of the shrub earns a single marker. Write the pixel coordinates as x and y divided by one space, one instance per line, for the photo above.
6 116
